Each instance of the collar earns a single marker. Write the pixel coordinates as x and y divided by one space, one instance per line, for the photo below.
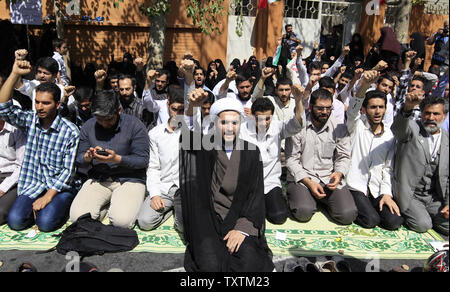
281 105
56 124
367 125
309 124
8 128
251 128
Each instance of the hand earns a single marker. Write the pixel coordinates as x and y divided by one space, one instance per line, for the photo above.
187 66
316 45
89 155
267 72
151 74
316 189
313 80
382 65
100 76
234 240
188 56
297 91
68 91
370 77
445 212
139 64
197 97
410 55
41 203
345 51
418 73
111 158
358 73
321 52
231 75
20 55
299 50
2 193
389 202
396 81
342 69
247 111
413 99
21 68
157 203
335 180
332 58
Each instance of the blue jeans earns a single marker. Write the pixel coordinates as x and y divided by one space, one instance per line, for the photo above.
49 219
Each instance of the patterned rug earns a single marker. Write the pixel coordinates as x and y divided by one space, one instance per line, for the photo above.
315 238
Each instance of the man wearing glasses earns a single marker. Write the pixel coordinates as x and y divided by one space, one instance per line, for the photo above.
318 159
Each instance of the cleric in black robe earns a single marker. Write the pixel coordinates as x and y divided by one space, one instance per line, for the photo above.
222 193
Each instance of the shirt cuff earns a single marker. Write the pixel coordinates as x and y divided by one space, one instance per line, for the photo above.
244 226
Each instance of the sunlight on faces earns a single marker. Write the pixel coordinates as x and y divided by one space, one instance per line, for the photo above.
417 86
114 82
126 88
263 120
199 77
44 76
343 81
229 123
45 105
433 118
386 86
283 91
375 110
321 111
161 82
244 89
206 109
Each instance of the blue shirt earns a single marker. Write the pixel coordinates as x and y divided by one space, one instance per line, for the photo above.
49 154
128 139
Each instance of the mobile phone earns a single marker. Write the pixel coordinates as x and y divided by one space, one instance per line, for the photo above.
102 152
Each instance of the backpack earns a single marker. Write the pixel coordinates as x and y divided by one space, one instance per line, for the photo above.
90 237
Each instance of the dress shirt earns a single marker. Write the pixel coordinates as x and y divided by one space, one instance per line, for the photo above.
372 156
49 154
28 88
434 142
12 150
62 68
317 153
128 139
282 112
269 146
156 106
163 167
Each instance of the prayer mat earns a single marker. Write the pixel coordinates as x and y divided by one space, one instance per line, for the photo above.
319 237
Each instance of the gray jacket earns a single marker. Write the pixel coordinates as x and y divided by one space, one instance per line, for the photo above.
411 157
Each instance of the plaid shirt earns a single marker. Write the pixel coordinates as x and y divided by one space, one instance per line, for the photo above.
402 90
49 154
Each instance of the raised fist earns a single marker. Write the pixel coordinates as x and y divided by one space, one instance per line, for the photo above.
187 65
231 75
299 50
139 64
21 67
410 55
267 72
371 76
21 54
100 76
382 65
197 97
297 91
345 50
151 75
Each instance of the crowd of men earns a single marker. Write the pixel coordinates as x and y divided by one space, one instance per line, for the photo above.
364 136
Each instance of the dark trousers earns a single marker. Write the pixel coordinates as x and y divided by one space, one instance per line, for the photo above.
49 219
339 203
369 214
6 202
277 210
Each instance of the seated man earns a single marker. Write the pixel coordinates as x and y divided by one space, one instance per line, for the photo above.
222 193
79 112
421 182
372 156
44 187
117 147
163 169
267 134
12 143
318 159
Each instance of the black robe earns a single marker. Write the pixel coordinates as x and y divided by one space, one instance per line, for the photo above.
204 229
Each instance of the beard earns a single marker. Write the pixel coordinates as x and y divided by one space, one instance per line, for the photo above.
320 118
432 127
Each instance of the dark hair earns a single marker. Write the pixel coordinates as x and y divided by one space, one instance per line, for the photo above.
284 81
105 103
200 68
57 43
175 94
320 94
262 105
49 64
83 93
348 75
211 98
387 76
51 88
374 94
327 82
426 84
123 77
432 100
242 78
315 66
164 72
287 25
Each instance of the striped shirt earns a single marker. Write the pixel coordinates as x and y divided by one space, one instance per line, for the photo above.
49 154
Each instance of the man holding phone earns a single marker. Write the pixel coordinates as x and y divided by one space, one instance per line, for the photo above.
116 147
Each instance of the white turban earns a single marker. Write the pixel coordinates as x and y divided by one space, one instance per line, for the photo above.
226 104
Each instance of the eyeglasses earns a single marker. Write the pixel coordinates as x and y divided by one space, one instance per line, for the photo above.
323 108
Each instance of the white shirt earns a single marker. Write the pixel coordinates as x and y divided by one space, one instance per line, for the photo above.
434 142
163 167
156 106
388 118
216 89
29 89
62 68
269 146
372 156
12 150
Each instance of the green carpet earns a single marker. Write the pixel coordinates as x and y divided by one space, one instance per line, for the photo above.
317 237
